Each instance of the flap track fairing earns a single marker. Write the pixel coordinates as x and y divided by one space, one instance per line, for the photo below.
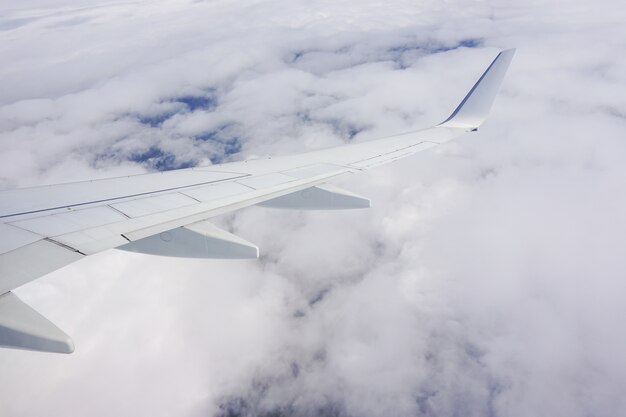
321 197
198 240
21 327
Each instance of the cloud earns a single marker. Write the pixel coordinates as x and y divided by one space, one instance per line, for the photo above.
485 280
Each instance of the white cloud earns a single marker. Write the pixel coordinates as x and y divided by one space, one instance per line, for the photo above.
486 279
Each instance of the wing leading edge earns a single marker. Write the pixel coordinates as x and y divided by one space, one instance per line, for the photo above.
46 228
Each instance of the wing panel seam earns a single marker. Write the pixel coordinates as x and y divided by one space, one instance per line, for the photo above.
122 197
63 245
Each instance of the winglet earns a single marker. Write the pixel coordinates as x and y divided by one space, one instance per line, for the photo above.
474 108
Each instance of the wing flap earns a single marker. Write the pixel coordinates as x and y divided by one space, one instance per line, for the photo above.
94 240
70 221
266 181
149 205
216 191
314 170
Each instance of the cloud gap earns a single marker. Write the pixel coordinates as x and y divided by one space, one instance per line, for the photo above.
188 103
319 296
156 120
157 159
198 102
405 55
254 406
225 138
345 129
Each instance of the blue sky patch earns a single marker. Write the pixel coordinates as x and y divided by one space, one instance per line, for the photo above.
345 129
405 55
156 159
194 103
154 120
225 137
465 43
191 103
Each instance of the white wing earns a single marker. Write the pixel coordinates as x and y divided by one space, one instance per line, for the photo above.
165 213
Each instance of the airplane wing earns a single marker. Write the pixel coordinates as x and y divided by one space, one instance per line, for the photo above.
165 213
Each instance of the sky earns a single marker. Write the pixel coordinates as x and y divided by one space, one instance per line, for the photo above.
487 279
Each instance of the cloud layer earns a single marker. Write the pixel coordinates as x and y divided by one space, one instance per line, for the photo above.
486 280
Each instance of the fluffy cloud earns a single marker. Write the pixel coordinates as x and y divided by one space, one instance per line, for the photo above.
486 280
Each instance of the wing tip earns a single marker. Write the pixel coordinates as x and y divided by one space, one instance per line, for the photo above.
475 106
